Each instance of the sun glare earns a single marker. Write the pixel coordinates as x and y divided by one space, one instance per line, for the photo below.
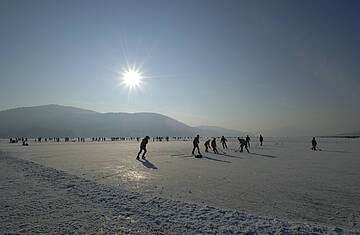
132 78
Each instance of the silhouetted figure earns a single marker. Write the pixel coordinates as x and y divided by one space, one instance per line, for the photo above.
24 143
213 145
248 140
143 147
196 142
207 145
242 144
223 141
261 139
314 143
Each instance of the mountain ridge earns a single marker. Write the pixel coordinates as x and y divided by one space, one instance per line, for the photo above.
55 120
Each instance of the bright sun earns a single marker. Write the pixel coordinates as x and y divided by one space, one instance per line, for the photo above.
132 78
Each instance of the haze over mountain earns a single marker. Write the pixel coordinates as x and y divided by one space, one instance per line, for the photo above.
355 133
219 131
65 121
288 131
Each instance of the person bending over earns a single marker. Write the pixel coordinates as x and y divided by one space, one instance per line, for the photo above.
243 143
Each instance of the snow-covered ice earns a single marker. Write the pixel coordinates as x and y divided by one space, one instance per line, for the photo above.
282 187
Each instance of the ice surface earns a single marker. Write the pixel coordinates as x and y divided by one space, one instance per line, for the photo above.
284 179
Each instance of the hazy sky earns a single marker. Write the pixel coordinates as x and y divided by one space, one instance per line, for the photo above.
247 65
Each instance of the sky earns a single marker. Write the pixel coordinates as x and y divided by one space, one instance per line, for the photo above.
246 65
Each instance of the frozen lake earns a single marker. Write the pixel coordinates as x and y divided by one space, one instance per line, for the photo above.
284 178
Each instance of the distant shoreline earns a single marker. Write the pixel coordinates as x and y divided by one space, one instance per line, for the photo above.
341 136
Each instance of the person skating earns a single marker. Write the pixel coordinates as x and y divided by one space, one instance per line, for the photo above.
242 144
213 145
261 139
207 145
143 144
196 142
314 143
248 140
223 141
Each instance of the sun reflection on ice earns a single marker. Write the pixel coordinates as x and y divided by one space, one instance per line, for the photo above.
128 175
135 175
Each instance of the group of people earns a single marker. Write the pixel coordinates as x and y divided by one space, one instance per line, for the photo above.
209 144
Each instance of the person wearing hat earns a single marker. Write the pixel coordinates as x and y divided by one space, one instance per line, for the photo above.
143 147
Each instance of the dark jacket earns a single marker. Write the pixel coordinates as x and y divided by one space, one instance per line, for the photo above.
196 141
144 142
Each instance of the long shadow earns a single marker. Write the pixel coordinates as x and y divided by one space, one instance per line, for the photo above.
263 155
214 159
148 164
228 155
180 155
177 155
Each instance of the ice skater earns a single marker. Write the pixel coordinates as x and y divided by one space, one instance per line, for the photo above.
143 144
207 145
261 139
242 144
223 141
196 142
213 145
248 140
313 143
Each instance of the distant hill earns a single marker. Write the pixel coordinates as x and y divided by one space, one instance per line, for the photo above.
65 121
214 131
356 133
56 120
